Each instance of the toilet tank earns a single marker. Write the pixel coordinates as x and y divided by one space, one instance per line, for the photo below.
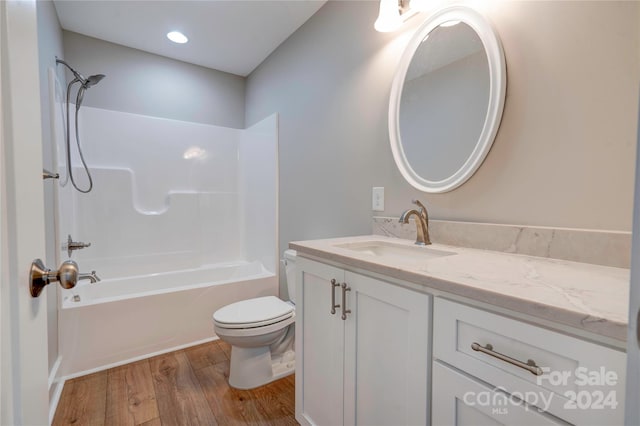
290 271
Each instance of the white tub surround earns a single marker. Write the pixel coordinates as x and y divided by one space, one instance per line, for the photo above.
586 297
181 222
169 195
608 248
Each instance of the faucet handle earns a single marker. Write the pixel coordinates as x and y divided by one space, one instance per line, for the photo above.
423 209
74 245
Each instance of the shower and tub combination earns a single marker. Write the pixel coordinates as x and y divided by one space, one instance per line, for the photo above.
181 219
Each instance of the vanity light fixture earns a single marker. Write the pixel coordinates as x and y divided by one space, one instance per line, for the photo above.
389 18
177 37
393 13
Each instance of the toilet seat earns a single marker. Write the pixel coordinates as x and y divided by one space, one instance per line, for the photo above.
253 313
264 330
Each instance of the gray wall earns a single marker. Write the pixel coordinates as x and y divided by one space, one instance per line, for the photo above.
564 155
148 84
325 83
49 46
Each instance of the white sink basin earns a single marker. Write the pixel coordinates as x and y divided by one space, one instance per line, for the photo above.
395 252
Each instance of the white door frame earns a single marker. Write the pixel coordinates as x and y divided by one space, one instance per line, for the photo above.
23 320
632 409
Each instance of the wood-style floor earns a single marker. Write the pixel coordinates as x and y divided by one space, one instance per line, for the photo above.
186 387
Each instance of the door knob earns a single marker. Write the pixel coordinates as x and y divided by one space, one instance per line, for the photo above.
67 275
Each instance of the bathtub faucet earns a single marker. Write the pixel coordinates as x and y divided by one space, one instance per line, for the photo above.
75 245
90 276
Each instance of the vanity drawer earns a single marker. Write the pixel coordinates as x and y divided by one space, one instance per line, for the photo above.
462 401
581 382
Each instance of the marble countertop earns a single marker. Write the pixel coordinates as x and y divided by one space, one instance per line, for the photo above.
590 297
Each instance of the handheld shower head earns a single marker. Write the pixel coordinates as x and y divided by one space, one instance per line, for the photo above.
84 85
92 80
85 82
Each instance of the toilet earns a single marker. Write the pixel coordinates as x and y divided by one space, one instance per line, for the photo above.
261 334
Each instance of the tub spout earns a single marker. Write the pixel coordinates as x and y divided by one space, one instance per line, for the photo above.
93 277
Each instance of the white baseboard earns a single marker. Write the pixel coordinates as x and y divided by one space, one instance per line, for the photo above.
55 399
54 371
57 385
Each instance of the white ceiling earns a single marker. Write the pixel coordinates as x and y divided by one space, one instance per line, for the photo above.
228 35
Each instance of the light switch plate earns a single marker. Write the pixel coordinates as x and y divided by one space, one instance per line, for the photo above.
377 199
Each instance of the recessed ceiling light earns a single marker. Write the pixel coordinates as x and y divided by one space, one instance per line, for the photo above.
177 37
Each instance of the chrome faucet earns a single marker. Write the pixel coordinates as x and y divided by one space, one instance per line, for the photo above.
422 222
91 276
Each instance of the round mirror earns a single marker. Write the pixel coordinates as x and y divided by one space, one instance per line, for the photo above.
447 99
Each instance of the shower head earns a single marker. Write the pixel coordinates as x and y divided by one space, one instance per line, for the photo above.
85 82
92 80
84 85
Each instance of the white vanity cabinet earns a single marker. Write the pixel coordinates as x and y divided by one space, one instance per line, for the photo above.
492 369
368 362
392 355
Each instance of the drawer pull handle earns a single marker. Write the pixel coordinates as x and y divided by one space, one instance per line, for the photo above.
530 365
334 284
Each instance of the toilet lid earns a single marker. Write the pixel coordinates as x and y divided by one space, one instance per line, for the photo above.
261 310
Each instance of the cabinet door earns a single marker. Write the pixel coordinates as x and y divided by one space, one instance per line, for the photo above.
460 400
386 354
319 345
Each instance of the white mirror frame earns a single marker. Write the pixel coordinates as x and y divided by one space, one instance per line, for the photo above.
497 91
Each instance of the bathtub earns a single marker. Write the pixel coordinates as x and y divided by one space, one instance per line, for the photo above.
120 320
